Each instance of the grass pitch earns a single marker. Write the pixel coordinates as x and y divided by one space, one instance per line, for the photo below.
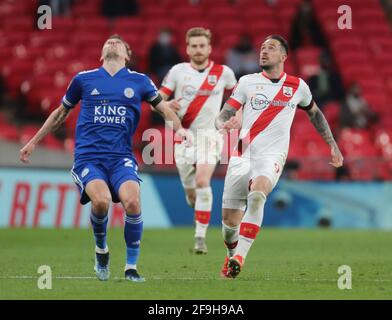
282 264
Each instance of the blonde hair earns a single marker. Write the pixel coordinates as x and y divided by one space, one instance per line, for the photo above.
198 32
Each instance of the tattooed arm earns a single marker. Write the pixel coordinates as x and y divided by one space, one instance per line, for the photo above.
52 123
320 123
226 114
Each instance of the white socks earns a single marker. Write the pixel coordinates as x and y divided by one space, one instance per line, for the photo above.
230 236
203 208
251 222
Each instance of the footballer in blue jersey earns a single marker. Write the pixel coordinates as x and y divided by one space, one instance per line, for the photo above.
104 167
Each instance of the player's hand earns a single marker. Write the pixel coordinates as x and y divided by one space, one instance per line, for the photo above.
25 152
186 136
233 123
175 104
336 156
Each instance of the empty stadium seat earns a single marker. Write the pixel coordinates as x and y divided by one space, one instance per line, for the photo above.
9 132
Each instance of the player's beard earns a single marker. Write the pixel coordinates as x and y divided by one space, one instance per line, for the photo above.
265 67
199 60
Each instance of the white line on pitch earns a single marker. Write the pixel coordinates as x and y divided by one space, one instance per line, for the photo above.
189 278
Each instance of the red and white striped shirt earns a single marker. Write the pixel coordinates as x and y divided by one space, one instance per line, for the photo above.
268 112
201 93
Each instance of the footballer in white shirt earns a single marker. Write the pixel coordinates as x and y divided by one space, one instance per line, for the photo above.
198 87
268 101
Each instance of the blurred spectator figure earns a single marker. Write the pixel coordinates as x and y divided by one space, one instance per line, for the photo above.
342 174
243 58
326 85
271 3
117 8
59 7
356 112
163 55
2 90
291 167
305 29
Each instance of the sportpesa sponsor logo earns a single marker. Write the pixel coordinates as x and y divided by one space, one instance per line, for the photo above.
260 102
110 114
189 92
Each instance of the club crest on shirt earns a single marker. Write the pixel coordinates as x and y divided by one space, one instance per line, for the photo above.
287 91
128 92
212 79
85 172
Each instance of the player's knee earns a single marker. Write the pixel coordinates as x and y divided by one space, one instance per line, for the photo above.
231 220
262 184
132 205
256 200
202 182
100 204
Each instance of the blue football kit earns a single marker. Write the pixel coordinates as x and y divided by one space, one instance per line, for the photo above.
109 114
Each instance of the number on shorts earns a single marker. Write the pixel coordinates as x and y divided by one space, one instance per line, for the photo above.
128 163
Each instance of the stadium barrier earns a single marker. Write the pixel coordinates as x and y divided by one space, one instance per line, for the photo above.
48 198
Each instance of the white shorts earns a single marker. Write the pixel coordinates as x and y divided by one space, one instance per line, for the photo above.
205 149
242 171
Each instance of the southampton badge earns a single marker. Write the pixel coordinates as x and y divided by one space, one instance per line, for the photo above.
287 91
128 92
212 80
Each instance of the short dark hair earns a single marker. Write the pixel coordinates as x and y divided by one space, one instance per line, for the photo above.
283 42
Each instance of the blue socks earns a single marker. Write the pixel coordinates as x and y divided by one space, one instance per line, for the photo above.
133 230
99 225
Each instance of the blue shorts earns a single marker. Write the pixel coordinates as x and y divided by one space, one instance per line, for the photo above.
113 171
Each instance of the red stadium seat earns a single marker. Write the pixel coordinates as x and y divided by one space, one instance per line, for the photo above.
221 13
17 37
308 61
19 23
263 27
99 25
27 132
154 11
357 142
353 43
128 27
185 12
51 142
9 132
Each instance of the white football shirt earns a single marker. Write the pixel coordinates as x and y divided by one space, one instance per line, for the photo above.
201 93
268 111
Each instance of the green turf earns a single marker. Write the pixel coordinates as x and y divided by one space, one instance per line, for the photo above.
283 264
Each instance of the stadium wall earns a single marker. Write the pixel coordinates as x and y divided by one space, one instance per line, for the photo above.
48 198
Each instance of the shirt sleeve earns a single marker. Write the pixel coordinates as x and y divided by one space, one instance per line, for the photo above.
169 82
230 80
150 91
238 97
306 96
73 93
